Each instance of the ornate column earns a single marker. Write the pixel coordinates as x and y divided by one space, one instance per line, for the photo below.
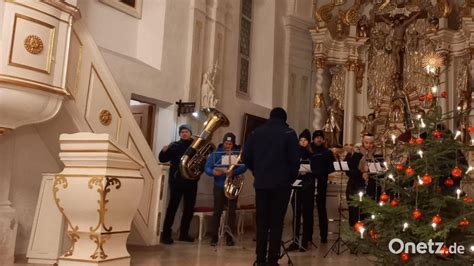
443 83
349 111
318 105
98 193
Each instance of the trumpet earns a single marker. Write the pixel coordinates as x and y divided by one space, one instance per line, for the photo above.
233 184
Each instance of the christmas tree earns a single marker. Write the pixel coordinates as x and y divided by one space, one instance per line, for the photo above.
422 216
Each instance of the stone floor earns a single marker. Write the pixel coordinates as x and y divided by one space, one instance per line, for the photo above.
242 254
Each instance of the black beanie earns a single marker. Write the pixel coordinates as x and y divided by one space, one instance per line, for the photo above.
306 134
318 133
279 113
229 136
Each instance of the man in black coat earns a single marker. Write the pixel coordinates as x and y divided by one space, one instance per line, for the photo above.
179 187
272 154
321 166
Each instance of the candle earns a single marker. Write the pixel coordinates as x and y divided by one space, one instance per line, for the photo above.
458 133
362 230
390 176
360 195
434 89
393 138
434 226
373 216
458 192
469 169
405 226
420 152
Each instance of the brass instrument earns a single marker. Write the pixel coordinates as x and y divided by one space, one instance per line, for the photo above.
192 162
233 184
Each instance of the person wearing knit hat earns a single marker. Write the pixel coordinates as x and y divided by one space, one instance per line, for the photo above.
180 187
214 168
271 153
303 199
185 126
321 166
306 134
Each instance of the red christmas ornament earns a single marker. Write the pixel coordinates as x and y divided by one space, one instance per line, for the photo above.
419 140
464 223
421 98
437 134
467 199
449 182
444 251
437 219
411 141
358 226
427 179
394 202
416 214
429 96
456 172
470 129
405 257
384 197
444 94
409 171
399 166
373 234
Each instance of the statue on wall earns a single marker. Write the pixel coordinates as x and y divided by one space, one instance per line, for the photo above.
333 125
208 99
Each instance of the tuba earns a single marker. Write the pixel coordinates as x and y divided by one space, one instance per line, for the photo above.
192 162
233 184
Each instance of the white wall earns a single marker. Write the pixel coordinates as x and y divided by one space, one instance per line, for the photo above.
117 31
262 52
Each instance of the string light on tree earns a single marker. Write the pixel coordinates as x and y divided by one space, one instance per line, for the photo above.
405 226
458 193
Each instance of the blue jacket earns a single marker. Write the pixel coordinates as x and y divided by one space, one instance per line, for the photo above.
216 158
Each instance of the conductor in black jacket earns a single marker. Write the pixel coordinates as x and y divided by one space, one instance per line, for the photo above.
179 187
321 166
272 154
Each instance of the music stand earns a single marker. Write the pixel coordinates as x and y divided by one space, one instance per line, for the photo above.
336 247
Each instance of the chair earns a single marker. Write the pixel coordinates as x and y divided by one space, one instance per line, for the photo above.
242 210
201 212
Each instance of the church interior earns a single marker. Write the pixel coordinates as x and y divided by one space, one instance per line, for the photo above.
92 90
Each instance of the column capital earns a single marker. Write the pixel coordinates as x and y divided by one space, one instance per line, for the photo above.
319 62
352 65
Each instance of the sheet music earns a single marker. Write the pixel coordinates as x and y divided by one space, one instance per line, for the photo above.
225 159
376 167
338 165
297 183
305 168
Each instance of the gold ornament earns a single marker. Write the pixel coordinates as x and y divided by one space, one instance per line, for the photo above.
33 44
105 117
433 60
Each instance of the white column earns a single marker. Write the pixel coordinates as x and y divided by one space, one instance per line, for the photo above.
8 222
318 98
443 85
349 105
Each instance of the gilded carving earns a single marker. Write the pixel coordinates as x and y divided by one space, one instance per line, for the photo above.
105 117
318 100
319 62
360 77
103 191
352 15
99 240
33 44
324 12
337 87
443 8
72 234
352 65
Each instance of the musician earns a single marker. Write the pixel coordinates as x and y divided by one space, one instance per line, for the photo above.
304 196
322 164
358 174
271 153
228 147
179 187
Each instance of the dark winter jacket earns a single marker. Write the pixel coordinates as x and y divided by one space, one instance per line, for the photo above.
321 160
271 153
215 159
173 155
